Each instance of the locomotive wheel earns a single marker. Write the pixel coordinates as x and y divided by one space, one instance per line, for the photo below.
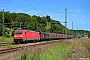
16 42
26 41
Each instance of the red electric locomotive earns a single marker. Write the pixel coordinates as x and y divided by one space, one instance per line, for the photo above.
25 35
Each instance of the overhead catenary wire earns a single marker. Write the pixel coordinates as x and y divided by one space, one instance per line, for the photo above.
5 7
62 3
16 5
32 6
12 4
22 8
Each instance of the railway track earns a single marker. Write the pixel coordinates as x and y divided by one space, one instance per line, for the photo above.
22 47
3 44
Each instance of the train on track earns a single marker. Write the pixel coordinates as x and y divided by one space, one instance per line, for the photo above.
21 36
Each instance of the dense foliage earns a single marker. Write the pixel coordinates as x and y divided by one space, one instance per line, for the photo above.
37 23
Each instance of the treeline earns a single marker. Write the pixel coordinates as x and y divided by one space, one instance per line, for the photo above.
14 21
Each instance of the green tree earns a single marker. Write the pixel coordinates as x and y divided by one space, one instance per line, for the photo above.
48 18
7 19
32 22
0 29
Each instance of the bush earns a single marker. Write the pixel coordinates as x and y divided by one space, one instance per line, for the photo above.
89 35
8 35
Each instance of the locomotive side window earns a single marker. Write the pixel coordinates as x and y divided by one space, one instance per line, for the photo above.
25 32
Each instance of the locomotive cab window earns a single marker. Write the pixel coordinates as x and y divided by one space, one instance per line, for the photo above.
18 32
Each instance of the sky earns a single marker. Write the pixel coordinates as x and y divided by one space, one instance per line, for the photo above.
78 11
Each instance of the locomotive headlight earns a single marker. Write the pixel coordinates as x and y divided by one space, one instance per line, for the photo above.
20 35
15 36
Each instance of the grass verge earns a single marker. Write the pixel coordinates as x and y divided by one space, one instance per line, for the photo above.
58 52
86 43
7 40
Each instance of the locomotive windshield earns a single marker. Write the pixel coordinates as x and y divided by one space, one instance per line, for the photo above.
18 32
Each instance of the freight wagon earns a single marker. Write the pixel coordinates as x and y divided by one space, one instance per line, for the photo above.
60 36
47 36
